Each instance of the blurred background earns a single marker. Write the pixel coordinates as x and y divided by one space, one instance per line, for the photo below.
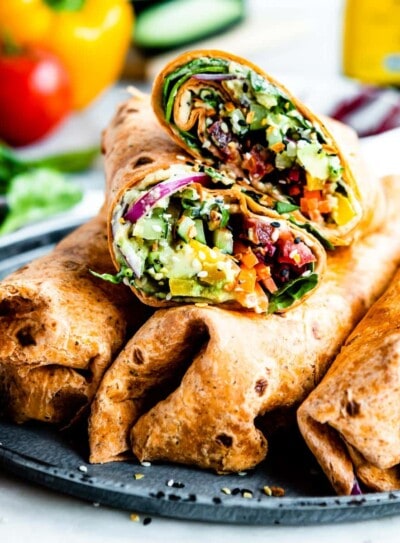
66 64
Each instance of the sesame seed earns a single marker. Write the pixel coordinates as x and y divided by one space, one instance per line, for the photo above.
242 473
134 517
83 469
96 504
147 464
226 490
217 500
275 224
247 494
168 297
202 273
138 476
146 521
170 483
267 490
180 157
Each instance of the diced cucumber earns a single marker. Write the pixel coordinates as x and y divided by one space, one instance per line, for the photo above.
200 235
153 260
150 228
223 240
258 117
186 228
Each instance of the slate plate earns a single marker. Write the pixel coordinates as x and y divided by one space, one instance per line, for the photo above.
58 460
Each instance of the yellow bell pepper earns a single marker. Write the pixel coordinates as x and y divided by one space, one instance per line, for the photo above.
343 212
91 37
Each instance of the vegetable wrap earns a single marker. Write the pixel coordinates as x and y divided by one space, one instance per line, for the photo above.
195 384
350 421
61 327
227 112
180 232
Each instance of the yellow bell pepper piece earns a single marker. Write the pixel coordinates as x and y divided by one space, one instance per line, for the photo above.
313 183
343 212
91 37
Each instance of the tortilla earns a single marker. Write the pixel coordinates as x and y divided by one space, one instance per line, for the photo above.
189 386
227 112
61 327
182 233
350 421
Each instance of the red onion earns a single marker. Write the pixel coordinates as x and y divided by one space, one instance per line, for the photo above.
215 77
159 191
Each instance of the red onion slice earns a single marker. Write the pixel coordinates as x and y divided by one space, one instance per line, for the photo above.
149 199
215 77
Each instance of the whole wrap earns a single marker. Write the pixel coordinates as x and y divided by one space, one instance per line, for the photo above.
189 386
364 191
135 147
61 327
350 421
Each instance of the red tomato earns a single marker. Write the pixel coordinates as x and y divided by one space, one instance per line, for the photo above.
35 95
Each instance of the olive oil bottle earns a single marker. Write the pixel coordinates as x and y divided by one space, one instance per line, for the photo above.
371 41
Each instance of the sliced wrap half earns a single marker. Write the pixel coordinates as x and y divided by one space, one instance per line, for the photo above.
61 327
180 232
196 384
226 111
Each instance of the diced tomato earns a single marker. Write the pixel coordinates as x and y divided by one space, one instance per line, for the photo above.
294 190
296 254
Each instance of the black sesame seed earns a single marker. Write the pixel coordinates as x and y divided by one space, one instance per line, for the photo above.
217 500
191 498
178 484
235 491
174 498
160 494
245 87
146 521
275 224
297 240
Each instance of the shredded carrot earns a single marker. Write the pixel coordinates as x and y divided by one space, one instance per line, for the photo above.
270 284
312 194
263 271
324 206
249 259
246 280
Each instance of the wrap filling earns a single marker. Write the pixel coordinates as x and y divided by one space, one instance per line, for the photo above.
233 117
177 240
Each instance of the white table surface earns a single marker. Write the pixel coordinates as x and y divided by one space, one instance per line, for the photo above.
30 513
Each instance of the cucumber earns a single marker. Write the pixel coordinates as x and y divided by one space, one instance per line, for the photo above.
223 240
150 228
178 22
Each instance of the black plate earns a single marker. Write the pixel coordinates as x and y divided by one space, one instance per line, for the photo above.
58 460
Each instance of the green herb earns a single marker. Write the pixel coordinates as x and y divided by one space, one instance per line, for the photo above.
291 292
285 207
35 195
116 278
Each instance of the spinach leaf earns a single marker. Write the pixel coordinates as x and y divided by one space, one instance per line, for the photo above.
316 233
285 207
291 292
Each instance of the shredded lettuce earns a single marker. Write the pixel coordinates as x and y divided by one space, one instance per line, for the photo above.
35 195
